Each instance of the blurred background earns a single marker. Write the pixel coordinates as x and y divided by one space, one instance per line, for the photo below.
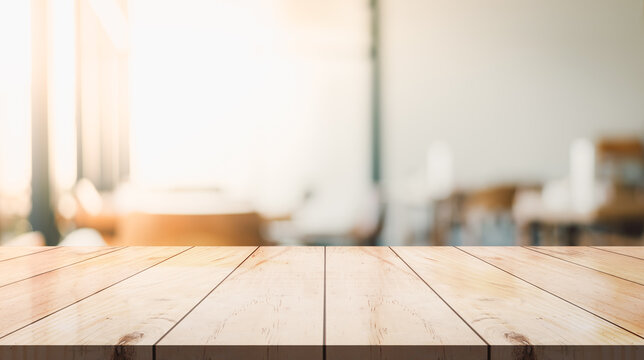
337 122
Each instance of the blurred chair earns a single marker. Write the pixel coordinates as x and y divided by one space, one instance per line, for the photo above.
94 210
477 217
488 216
364 229
83 237
448 219
620 161
617 215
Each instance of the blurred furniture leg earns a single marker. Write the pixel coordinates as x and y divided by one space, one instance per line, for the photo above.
488 216
535 233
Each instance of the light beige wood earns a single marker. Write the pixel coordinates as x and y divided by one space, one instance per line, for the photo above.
376 307
26 301
24 267
271 305
614 299
518 320
10 252
615 264
634 251
198 304
125 320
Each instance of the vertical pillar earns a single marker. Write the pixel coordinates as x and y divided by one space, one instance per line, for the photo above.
41 216
376 158
79 99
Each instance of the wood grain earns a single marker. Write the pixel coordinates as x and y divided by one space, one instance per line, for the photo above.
615 264
312 303
271 307
612 298
125 320
20 268
376 307
26 301
10 252
634 251
518 320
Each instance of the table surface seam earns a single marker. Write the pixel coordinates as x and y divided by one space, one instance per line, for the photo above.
60 267
324 312
94 293
202 299
555 295
584 266
617 253
33 253
440 297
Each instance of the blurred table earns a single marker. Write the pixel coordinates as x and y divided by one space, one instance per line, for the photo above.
532 214
322 302
239 229
173 218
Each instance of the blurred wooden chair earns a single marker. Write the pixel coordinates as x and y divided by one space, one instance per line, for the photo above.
488 216
620 147
621 161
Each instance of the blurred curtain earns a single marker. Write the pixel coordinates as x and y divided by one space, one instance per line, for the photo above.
15 137
103 92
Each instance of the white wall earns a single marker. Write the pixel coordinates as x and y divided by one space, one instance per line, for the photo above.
507 83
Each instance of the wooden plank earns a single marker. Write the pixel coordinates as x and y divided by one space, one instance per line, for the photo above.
125 320
271 307
377 308
518 320
26 301
10 252
612 298
634 251
611 263
27 266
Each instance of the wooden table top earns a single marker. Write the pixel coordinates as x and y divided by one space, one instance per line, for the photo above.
322 303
